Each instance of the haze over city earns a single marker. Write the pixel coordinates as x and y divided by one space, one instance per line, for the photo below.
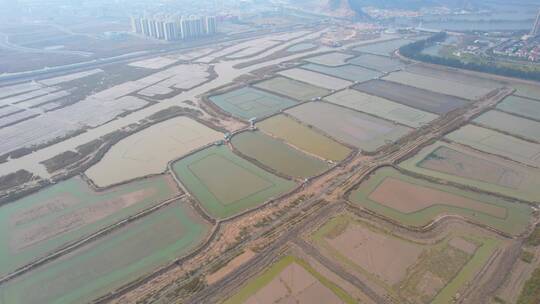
270 151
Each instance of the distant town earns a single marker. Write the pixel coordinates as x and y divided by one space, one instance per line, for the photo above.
174 28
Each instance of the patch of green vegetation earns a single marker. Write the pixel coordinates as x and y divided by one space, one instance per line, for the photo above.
498 300
470 62
443 262
467 272
226 184
530 294
261 281
527 256
534 238
514 222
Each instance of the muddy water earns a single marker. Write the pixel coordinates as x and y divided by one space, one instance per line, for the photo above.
113 260
226 74
67 211
304 138
278 155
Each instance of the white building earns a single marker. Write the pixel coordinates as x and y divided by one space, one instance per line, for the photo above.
175 28
210 25
136 25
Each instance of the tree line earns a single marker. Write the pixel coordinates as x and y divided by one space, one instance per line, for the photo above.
414 51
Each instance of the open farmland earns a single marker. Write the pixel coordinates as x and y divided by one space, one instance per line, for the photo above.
507 123
316 79
381 107
383 48
155 63
226 184
497 143
376 62
470 168
9 110
177 78
252 47
301 47
330 59
292 88
109 262
91 112
416 202
247 103
348 72
304 138
443 86
148 151
354 128
423 273
70 77
525 107
277 155
16 99
290 280
443 73
527 90
414 97
37 224
19 89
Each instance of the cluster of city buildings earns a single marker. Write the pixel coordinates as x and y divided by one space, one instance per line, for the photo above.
178 28
528 49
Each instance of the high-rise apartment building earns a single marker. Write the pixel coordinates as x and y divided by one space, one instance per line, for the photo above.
145 26
160 27
210 25
136 25
177 28
170 31
153 28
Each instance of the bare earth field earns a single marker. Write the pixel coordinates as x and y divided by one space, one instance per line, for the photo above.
408 198
525 107
493 142
376 252
465 166
248 103
357 129
304 138
376 62
290 280
383 48
148 151
417 98
381 107
316 79
416 202
348 72
445 159
154 63
292 88
508 123
443 86
443 73
330 59
528 91
408 270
